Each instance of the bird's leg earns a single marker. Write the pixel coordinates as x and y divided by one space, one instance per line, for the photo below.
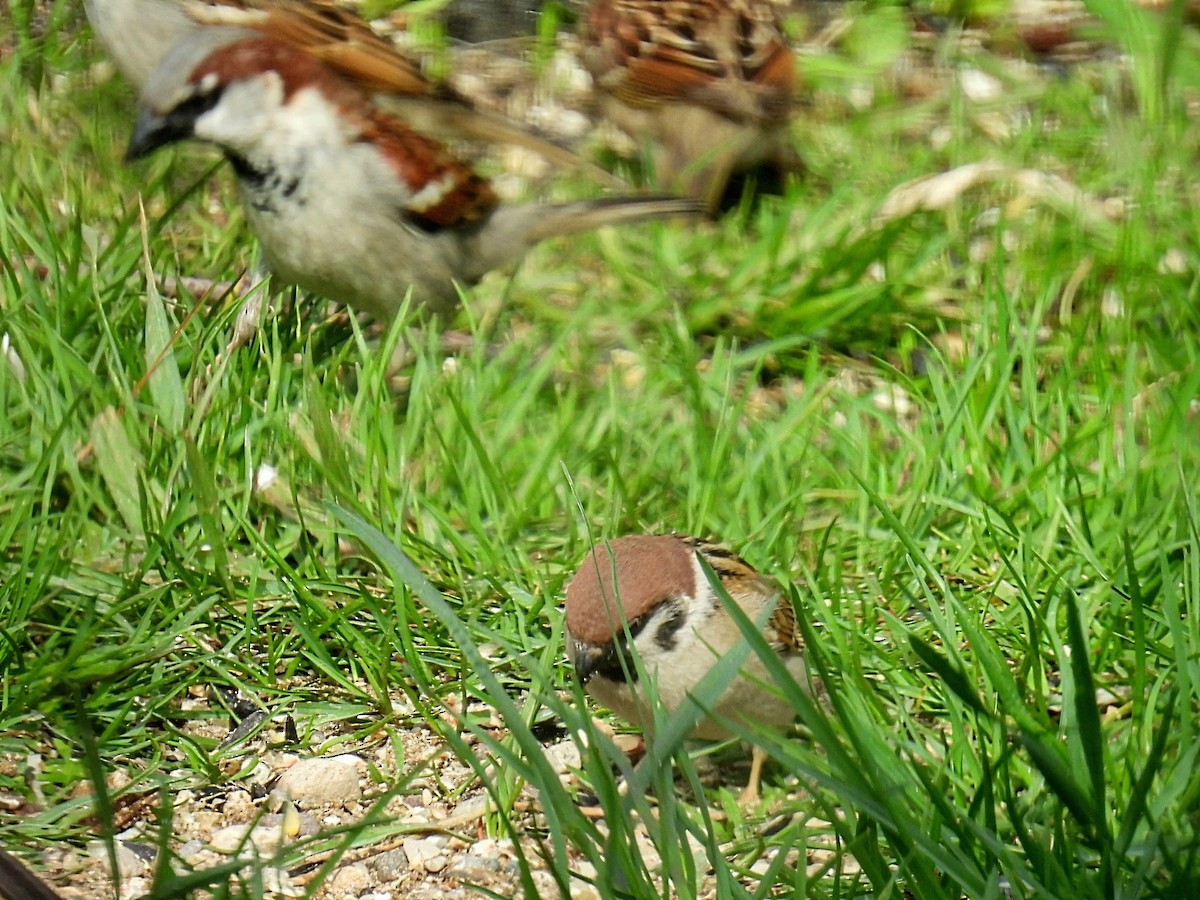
751 794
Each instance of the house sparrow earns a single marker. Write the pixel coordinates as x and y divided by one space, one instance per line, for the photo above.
708 82
679 628
347 200
138 34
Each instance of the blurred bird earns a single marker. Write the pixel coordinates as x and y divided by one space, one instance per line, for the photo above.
649 596
138 34
347 200
709 84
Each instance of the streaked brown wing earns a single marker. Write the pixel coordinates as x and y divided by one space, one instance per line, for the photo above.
730 54
783 623
345 43
741 577
338 37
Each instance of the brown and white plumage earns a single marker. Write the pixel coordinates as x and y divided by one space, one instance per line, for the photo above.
709 82
347 200
652 590
138 34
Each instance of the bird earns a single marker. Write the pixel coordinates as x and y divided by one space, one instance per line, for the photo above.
347 200
138 34
649 595
709 83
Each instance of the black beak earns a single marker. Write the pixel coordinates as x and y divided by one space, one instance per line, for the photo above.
588 659
153 130
609 660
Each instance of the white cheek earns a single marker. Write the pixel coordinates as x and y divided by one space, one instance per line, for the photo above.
651 653
243 115
253 110
671 671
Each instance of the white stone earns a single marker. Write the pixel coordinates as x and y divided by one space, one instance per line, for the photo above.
350 881
323 780
264 839
564 756
135 887
420 850
129 864
980 86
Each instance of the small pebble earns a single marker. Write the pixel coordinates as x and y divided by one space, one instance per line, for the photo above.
421 850
350 881
239 807
190 851
135 887
391 865
563 757
129 864
323 780
476 869
266 839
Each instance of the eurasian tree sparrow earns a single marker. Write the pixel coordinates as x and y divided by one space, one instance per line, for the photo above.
347 200
138 34
709 82
679 628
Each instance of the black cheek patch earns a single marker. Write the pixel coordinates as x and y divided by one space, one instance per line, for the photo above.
667 636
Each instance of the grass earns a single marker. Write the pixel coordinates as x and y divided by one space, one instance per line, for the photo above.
964 439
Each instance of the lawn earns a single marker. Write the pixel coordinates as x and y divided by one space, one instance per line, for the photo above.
944 390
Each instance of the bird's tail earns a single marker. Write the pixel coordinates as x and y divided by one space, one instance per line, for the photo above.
571 218
510 231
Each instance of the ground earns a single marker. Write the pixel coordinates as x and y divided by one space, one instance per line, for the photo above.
285 619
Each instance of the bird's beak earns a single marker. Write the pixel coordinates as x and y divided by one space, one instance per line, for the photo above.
587 658
154 130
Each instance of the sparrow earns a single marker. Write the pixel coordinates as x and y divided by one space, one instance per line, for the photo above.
138 34
649 596
347 200
710 83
